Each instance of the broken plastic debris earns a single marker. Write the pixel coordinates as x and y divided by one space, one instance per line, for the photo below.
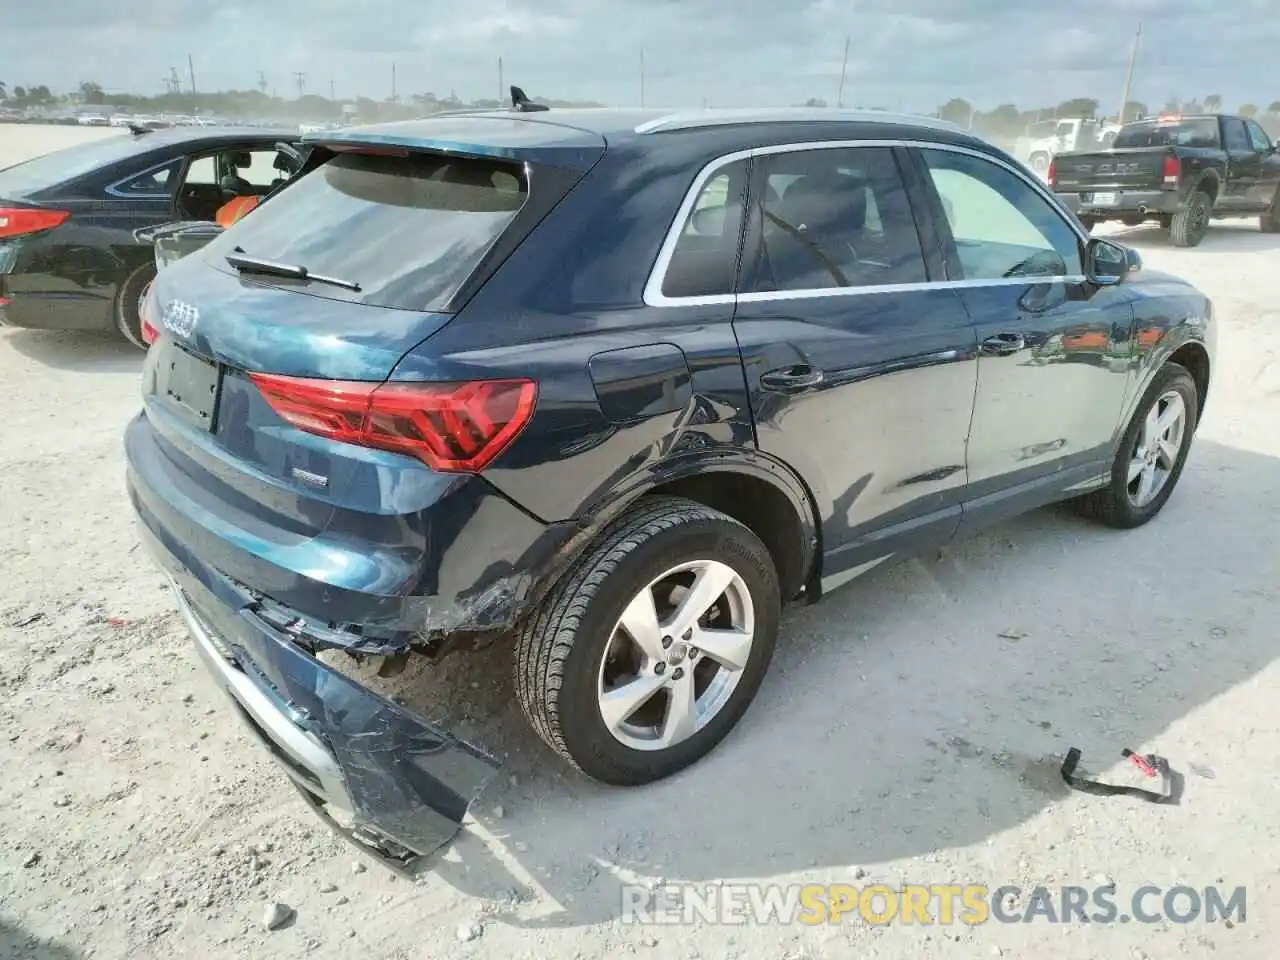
1151 765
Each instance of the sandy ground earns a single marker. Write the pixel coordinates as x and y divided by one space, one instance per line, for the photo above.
899 736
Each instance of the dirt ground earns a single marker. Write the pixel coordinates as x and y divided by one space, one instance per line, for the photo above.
899 736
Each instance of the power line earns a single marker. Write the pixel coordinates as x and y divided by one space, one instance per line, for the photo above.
1128 78
844 66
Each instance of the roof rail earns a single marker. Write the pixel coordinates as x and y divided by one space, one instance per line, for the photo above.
694 119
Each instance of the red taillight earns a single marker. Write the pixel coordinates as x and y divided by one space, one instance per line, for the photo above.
150 334
1052 175
19 221
451 427
1172 168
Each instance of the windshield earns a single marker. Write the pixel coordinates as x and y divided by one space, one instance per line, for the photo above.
409 230
1201 132
66 164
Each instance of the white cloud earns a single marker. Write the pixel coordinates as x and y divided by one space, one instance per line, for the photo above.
903 53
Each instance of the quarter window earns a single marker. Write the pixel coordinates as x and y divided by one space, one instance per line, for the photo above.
705 260
1002 227
149 183
832 218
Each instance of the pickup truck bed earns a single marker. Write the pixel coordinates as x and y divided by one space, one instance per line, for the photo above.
1175 171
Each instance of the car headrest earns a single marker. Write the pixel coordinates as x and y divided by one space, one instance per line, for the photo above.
240 158
827 204
233 186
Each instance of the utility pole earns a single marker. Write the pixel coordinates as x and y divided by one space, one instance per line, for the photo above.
502 90
301 78
332 94
191 70
642 76
844 66
262 81
1128 79
394 98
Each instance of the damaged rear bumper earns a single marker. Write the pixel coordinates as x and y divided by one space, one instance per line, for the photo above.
383 778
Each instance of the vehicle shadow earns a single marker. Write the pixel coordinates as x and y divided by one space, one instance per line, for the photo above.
15 942
1230 236
924 707
76 351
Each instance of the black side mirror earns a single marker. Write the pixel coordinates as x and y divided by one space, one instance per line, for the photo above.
1107 263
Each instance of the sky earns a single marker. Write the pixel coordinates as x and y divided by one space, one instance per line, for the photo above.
903 54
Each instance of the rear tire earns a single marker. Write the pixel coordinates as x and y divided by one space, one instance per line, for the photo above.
129 304
1190 223
1120 503
574 657
1269 222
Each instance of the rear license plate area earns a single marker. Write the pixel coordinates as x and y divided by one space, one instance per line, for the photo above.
1102 199
189 383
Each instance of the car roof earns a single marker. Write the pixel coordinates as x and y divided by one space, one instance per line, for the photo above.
554 133
614 123
182 136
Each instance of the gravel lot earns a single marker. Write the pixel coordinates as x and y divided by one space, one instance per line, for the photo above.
899 736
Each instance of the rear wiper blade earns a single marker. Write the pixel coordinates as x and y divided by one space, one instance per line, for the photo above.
247 264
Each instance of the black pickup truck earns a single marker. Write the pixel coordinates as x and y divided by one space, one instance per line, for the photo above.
1181 170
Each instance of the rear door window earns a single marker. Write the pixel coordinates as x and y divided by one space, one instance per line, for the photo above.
1237 136
410 230
833 218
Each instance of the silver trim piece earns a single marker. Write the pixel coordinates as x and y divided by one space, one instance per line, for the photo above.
694 119
654 297
304 748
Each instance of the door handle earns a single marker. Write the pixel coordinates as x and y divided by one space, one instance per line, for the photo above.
791 379
1003 344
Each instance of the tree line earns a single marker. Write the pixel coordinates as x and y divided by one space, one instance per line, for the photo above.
1003 121
251 103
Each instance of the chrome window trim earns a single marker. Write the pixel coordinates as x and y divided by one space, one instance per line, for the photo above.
115 191
654 297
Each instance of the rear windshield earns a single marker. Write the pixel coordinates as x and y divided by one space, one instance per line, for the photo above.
69 163
408 230
1202 132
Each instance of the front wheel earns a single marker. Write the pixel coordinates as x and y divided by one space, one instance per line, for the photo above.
652 646
133 292
1151 455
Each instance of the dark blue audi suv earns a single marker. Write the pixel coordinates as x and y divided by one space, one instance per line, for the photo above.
615 387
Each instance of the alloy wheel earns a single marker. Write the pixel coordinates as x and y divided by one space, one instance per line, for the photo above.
1156 453
676 655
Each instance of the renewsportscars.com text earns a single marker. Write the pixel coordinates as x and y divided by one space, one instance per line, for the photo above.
934 904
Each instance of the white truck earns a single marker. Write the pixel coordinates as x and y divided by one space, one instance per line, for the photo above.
1046 139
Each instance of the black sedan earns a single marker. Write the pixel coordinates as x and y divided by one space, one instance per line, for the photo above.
68 256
